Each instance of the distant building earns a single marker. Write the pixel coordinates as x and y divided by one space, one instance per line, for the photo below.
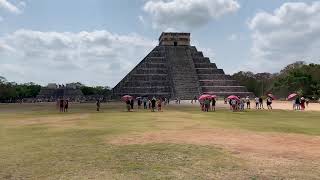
176 69
53 91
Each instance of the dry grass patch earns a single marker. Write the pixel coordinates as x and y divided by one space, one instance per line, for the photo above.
283 155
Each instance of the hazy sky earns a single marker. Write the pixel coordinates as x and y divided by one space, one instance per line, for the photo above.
97 42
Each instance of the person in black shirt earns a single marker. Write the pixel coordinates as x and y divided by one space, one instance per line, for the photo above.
131 103
61 104
298 103
213 104
153 104
98 105
139 103
261 103
66 105
128 105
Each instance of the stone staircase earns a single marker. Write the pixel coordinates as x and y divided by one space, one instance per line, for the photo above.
148 78
182 72
213 80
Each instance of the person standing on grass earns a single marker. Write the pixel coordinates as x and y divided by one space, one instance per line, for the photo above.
139 103
61 103
206 105
269 103
213 104
242 102
294 106
159 103
98 104
261 103
66 105
128 105
307 102
131 103
248 102
297 103
302 103
145 100
153 104
257 102
233 104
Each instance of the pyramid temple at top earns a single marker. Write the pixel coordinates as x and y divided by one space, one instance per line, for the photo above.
175 69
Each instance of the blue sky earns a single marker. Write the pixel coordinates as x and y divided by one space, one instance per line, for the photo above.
97 41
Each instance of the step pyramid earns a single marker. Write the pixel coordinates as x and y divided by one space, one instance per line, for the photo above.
175 69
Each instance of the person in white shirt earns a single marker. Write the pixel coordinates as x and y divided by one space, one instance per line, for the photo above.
257 102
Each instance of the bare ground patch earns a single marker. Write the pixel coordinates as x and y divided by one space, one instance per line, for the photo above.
266 153
59 121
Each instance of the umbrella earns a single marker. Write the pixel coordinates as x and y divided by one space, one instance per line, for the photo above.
292 96
205 96
126 97
213 96
139 98
234 97
272 96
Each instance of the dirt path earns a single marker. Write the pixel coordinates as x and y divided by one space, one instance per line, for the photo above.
282 105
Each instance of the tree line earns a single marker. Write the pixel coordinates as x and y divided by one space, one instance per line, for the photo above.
299 77
13 92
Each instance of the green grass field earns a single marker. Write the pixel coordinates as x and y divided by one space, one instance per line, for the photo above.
37 142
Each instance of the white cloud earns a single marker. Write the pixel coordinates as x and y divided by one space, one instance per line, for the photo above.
288 34
187 14
233 37
5 4
97 57
1 19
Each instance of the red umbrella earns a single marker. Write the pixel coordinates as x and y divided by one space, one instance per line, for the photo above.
272 96
234 97
203 97
292 96
126 97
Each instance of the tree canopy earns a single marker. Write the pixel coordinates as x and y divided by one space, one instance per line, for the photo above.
298 77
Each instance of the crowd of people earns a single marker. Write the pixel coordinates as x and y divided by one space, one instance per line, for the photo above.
63 105
300 103
152 104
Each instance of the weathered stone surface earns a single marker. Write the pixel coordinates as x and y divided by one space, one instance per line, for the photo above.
176 69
